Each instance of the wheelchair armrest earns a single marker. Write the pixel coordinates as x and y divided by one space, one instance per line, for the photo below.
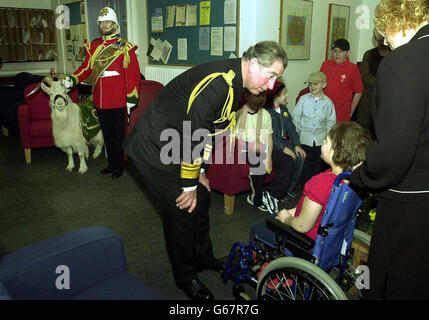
290 233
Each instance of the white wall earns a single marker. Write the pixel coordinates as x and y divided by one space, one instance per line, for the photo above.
137 28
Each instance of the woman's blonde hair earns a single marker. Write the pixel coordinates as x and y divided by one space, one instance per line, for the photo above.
400 15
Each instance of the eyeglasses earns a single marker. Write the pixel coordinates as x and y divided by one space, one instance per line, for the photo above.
268 74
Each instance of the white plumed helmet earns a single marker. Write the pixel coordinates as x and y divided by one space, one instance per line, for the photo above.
108 14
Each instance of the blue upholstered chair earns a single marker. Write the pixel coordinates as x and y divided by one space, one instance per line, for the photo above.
86 264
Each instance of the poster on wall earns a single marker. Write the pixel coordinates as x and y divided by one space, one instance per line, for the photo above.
295 28
193 32
338 25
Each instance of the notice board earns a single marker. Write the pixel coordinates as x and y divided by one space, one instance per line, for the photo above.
187 33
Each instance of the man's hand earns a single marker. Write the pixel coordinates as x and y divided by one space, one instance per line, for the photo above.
289 152
66 81
300 151
204 181
188 199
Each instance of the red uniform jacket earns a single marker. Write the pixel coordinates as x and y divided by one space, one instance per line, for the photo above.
112 66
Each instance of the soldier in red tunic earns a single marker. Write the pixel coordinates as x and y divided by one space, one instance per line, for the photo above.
112 68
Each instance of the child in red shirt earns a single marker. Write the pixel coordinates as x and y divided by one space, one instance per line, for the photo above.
343 150
344 81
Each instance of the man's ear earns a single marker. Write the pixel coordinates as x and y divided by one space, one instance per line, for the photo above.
254 65
324 85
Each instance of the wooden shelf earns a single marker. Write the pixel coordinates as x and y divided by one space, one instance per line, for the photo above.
27 35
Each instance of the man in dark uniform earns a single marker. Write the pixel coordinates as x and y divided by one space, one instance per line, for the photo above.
201 98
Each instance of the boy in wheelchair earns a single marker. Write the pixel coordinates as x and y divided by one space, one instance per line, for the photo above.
343 150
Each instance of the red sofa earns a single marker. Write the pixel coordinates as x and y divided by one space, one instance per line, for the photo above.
229 175
34 119
148 90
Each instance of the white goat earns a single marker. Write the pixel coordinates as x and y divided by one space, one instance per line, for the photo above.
67 127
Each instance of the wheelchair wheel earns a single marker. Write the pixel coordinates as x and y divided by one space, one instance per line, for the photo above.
362 236
291 278
351 275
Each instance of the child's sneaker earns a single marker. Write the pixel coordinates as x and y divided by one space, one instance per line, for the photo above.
271 203
261 207
291 194
249 199
285 199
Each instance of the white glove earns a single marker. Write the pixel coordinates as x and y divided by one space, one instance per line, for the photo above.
67 82
130 106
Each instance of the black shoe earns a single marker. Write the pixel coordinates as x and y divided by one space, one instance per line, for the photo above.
116 173
106 170
215 265
196 290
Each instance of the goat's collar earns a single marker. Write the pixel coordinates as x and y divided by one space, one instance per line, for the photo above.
110 37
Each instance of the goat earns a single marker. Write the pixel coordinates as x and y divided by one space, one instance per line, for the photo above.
67 125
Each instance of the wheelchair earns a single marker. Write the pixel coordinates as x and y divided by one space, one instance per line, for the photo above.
292 266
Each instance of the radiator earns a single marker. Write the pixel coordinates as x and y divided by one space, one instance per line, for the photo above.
162 74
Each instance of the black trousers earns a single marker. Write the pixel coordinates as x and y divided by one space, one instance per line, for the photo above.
284 165
313 163
186 234
112 124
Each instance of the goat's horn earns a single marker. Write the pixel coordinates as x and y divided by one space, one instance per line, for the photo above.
48 79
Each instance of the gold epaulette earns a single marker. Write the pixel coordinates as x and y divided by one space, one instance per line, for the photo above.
190 171
227 113
127 58
226 110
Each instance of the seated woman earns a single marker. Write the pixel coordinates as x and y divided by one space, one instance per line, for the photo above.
343 150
